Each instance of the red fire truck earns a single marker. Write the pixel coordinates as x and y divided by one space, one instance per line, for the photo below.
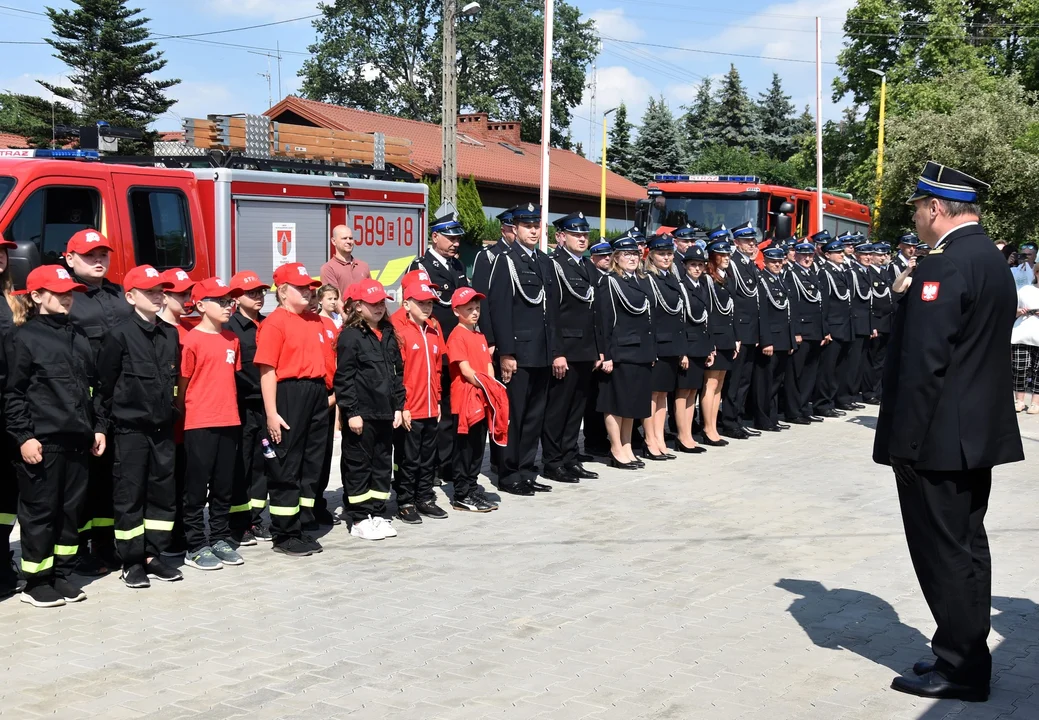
708 201
211 220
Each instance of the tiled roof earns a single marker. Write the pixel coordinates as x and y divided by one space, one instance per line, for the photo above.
171 135
10 140
480 155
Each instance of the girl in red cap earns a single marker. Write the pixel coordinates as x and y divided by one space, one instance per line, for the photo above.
370 393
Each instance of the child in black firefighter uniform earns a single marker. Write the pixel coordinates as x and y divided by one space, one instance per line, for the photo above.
51 418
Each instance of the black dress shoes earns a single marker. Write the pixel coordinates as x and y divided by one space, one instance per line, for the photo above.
751 431
770 428
515 488
740 434
615 463
871 401
720 442
813 419
538 487
691 450
578 471
923 667
800 421
560 475
828 414
846 406
782 426
933 685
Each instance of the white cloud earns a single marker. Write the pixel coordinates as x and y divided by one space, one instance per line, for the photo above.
616 24
199 99
616 84
264 9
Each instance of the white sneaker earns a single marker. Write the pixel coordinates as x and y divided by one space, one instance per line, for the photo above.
385 527
367 530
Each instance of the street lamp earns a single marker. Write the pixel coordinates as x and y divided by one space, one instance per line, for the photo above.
602 196
880 143
449 111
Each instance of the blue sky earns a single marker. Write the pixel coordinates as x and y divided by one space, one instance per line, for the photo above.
227 80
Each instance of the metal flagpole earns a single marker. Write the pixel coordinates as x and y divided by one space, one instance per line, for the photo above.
546 119
819 121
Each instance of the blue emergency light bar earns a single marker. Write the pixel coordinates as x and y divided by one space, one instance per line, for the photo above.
51 154
706 178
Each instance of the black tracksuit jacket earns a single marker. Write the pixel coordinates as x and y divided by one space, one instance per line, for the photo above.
369 379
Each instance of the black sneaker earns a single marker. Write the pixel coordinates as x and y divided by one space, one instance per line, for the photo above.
247 539
431 509
261 533
483 496
70 591
42 596
89 565
408 514
295 547
324 517
314 545
159 570
136 577
471 503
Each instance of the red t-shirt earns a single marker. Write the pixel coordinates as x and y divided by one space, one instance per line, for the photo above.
294 345
209 361
331 335
470 346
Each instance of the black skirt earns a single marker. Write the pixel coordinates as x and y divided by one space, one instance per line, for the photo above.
665 374
692 377
723 359
626 392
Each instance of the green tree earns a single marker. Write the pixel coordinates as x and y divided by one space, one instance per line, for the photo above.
107 46
657 149
470 211
30 116
776 121
696 124
619 152
849 164
724 160
733 123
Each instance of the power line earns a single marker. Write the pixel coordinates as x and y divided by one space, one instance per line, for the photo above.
237 29
712 52
27 12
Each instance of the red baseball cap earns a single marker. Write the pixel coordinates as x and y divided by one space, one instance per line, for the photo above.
463 295
86 240
54 278
419 291
178 280
212 287
295 274
369 291
247 280
417 276
144 277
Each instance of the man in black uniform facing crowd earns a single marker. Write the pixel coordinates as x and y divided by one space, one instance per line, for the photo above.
806 318
946 419
883 309
744 289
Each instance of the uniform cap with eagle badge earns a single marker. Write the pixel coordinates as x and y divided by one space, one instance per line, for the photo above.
661 241
881 249
505 217
909 239
804 248
717 233
745 232
822 237
87 240
686 232
145 277
864 249
947 184
602 248
834 246
774 253
575 222
695 254
447 225
720 247
529 213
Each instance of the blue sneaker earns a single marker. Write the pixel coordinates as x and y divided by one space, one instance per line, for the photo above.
203 559
227 554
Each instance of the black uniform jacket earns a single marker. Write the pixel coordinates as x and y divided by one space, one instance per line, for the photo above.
247 380
577 336
883 299
697 300
720 323
98 309
527 331
668 325
861 299
948 391
806 303
137 375
774 326
484 262
50 370
369 379
627 336
836 287
449 278
742 282
6 317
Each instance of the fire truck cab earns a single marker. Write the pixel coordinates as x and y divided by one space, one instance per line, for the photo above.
208 221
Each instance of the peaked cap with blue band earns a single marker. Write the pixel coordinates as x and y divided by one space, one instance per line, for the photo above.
773 253
909 239
686 232
447 225
823 236
881 249
720 248
718 232
505 216
633 234
625 242
946 183
661 241
575 222
529 213
746 230
804 248
602 248
834 246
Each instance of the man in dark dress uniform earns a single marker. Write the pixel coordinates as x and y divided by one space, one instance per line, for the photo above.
857 265
883 311
836 288
574 298
906 249
946 419
484 261
776 341
806 313
526 336
596 441
745 276
446 272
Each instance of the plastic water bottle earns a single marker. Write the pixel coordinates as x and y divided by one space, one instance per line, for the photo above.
268 451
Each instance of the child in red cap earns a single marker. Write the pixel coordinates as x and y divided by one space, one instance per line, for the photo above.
137 380
209 361
415 442
290 352
370 394
53 422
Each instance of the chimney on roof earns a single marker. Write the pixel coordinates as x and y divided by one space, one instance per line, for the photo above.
477 125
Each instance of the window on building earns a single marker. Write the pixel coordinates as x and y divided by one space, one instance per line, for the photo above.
161 228
51 215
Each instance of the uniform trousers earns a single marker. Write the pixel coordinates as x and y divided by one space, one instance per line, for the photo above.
178 545
564 409
799 380
469 459
250 483
850 383
52 502
209 476
447 427
366 464
832 358
595 436
144 494
737 386
320 504
528 395
416 462
943 514
294 464
8 497
767 378
876 353
99 518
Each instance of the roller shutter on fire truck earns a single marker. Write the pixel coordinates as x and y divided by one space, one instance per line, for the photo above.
257 222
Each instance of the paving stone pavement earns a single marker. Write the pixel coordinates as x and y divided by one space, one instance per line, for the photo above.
768 579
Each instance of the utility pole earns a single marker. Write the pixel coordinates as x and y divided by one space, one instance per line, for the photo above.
449 101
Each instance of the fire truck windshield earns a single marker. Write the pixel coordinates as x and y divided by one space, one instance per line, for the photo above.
6 184
705 211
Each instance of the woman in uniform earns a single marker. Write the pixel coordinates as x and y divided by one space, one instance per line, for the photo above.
623 304
699 348
667 313
723 334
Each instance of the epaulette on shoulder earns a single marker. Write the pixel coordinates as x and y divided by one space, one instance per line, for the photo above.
936 251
